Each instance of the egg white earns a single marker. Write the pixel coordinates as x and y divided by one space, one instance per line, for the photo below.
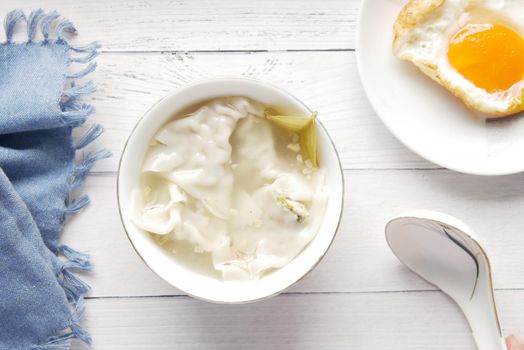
422 34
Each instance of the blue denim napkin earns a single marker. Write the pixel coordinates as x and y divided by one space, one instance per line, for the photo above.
41 298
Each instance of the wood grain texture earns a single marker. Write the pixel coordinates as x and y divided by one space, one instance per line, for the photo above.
326 81
359 260
360 296
207 25
378 321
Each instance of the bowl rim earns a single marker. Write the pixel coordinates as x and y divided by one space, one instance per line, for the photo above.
226 79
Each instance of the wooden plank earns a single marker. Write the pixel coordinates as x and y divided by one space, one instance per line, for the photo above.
328 82
408 321
185 25
359 260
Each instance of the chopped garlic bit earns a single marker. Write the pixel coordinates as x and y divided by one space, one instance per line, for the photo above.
309 164
299 158
307 171
295 147
257 223
161 239
295 207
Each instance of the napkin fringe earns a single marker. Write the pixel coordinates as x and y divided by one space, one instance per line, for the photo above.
63 342
74 114
91 135
64 26
87 58
32 23
80 259
10 22
78 315
82 170
46 22
73 286
77 205
90 68
75 91
95 45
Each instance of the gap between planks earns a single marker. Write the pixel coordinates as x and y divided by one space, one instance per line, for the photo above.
346 170
298 293
207 52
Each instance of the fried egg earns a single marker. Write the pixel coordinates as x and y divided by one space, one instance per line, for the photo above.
474 48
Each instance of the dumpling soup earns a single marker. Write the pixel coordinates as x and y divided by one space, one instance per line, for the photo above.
234 186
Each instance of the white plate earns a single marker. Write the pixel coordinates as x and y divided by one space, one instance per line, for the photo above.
422 114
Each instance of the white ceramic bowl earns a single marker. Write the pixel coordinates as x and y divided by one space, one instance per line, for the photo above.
190 281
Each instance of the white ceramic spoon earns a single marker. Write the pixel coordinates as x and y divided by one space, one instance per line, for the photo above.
444 252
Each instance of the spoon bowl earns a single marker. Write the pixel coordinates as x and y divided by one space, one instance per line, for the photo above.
443 251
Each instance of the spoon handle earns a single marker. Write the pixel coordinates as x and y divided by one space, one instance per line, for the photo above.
483 320
493 344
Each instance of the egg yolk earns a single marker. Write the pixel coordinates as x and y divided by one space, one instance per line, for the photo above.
491 56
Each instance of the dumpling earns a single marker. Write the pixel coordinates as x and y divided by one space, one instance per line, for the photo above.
254 155
155 208
194 152
273 237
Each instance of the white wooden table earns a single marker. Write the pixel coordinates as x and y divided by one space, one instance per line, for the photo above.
360 296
